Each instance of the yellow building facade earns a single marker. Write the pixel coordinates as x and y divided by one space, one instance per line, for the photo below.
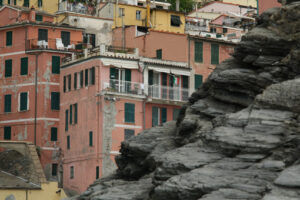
50 6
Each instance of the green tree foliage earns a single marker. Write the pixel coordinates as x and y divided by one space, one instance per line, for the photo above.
184 6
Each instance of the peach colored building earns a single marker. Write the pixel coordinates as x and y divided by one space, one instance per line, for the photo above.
107 97
29 79
264 5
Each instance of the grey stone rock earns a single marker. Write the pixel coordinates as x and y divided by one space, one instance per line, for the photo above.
290 177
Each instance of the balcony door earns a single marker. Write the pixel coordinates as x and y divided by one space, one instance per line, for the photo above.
156 84
43 35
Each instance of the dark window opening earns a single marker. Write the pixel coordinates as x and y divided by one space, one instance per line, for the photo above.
55 100
23 101
24 66
91 138
7 133
68 142
7 103
175 20
53 134
159 53
54 169
9 38
43 35
71 172
39 18
8 68
55 64
65 37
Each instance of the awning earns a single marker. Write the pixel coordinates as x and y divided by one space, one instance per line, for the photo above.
180 72
160 69
127 64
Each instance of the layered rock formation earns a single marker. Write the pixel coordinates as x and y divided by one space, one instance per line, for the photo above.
237 138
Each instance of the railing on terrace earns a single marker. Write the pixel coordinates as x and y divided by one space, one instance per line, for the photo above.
168 93
116 49
52 44
125 87
77 8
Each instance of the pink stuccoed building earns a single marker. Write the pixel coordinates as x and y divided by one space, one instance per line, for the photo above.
264 5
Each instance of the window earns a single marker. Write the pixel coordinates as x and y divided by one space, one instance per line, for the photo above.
7 103
9 38
121 12
140 4
71 113
175 113
138 15
75 81
185 86
91 138
175 20
43 35
53 134
23 101
65 37
86 77
159 53
159 116
7 133
128 133
40 3
66 120
163 115
65 82
68 142
54 169
198 52
81 79
1 2
71 172
15 2
225 30
55 100
129 112
92 76
8 68
26 3
39 18
69 82
214 54
75 113
24 66
89 38
198 80
97 172
213 30
55 64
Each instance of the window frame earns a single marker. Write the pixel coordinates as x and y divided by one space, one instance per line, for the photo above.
8 68
20 108
7 130
24 69
131 117
9 40
7 105
53 136
53 96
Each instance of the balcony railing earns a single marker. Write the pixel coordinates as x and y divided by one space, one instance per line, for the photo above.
125 87
168 93
52 44
77 8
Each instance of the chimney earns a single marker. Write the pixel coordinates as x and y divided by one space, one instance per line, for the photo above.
32 14
177 5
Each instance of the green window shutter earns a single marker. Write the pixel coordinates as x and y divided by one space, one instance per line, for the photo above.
198 80
198 52
128 133
164 78
214 54
65 83
127 75
65 37
26 3
55 100
93 76
66 120
185 81
15 2
97 172
159 53
81 78
69 82
1 2
175 113
55 64
8 2
113 73
86 77
7 133
39 18
7 103
150 80
24 66
68 142
71 114
23 101
8 68
9 38
75 81
129 112
91 138
43 34
53 134
75 113
163 115
154 116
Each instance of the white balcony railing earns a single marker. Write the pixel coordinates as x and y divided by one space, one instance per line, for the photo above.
126 87
168 93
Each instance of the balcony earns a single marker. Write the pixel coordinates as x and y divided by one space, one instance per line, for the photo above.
77 8
51 44
123 87
168 93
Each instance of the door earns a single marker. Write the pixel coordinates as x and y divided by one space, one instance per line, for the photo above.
156 85
65 37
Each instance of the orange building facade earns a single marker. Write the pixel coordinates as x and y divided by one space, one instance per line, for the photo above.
29 79
264 5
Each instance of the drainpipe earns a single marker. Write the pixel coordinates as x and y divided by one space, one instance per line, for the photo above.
35 95
148 13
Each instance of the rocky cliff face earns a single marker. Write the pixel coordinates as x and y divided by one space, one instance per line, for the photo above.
237 138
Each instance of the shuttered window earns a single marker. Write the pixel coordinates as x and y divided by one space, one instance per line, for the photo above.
198 52
155 116
129 112
9 38
1 2
15 2
26 3
97 172
40 3
24 66
198 80
75 81
65 37
43 34
65 82
69 82
66 120
93 75
68 142
55 100
91 138
8 68
54 169
23 101
128 133
7 103
150 80
86 77
71 113
55 64
214 54
159 53
175 113
53 134
81 79
39 18
75 113
163 115
7 133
